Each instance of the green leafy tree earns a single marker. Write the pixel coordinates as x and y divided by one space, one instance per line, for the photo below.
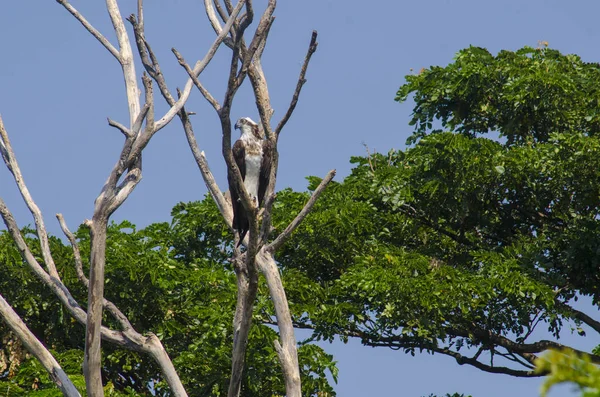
463 240
184 293
460 241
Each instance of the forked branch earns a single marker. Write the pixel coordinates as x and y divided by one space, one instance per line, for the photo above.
246 61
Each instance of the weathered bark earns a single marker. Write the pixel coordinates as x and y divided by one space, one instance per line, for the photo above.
286 350
93 356
38 350
246 61
247 288
156 350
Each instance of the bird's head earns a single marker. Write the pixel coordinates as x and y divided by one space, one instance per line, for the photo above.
247 126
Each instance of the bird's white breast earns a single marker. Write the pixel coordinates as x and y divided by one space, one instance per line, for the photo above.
253 163
253 160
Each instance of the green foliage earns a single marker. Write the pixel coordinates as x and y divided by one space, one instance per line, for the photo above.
169 279
414 257
458 241
461 240
524 95
567 366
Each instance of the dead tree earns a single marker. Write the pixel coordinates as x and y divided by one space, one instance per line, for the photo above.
230 26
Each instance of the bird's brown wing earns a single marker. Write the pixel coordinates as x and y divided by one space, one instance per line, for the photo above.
240 219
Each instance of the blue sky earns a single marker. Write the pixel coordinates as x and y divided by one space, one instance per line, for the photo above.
58 86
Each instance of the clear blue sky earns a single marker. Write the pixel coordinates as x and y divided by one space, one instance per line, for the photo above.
58 85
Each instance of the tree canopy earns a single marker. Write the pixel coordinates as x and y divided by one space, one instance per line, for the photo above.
484 230
184 293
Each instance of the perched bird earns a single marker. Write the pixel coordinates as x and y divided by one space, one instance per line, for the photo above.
252 154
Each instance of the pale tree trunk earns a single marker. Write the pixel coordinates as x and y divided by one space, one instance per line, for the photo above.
230 26
246 61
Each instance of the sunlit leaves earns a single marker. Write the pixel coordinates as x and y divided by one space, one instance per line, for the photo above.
523 95
569 367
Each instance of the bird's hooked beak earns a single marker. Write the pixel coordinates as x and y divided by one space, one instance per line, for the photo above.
238 125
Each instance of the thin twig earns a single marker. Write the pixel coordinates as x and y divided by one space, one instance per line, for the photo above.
76 252
103 40
278 242
198 68
209 180
13 166
120 127
222 13
301 80
111 307
205 93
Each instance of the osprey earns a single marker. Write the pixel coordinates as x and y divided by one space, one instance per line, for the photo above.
252 154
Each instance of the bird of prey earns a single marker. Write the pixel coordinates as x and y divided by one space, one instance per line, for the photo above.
252 154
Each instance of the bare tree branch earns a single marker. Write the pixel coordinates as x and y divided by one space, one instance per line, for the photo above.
198 68
207 176
281 239
461 360
212 16
149 98
150 61
103 40
13 166
301 80
205 93
222 13
287 351
35 347
581 316
140 12
111 307
407 342
126 60
247 288
257 75
228 5
76 252
120 127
